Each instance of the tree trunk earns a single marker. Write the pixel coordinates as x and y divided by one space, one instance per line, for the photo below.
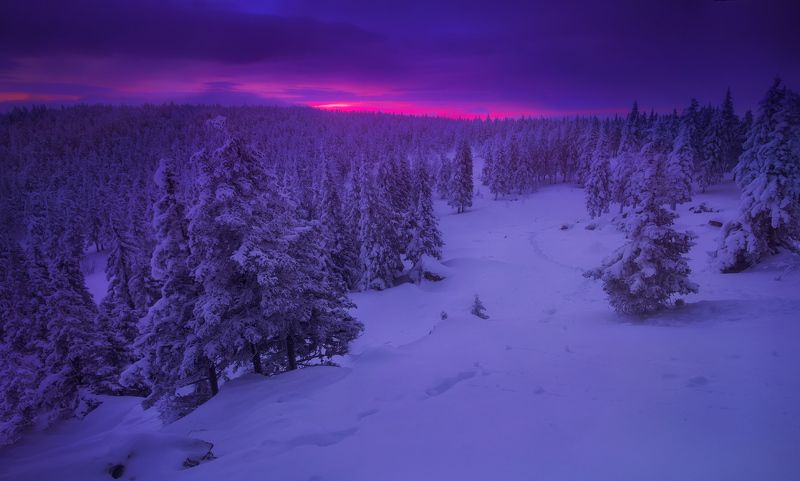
212 379
256 359
290 354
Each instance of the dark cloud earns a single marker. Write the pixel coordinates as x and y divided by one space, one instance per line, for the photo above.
547 55
163 30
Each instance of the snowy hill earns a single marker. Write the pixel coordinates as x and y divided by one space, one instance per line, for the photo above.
553 386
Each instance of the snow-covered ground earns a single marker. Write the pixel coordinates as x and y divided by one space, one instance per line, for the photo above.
553 386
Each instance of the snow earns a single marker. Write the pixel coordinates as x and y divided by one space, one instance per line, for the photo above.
93 267
552 386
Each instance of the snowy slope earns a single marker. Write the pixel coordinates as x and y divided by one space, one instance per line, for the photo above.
553 386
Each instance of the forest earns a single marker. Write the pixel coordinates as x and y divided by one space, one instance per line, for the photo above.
235 236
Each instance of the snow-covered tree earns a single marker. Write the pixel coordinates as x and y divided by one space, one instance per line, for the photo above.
478 309
237 234
768 174
444 180
624 165
72 351
425 238
644 274
169 355
338 239
679 168
379 257
311 321
461 187
597 183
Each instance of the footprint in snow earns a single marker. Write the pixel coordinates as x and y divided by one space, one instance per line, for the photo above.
697 381
448 383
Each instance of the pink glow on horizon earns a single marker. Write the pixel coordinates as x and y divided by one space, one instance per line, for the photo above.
34 97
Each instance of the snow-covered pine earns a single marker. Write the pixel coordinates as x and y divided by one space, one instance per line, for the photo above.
624 165
499 182
597 183
20 340
478 309
72 345
587 149
643 275
768 174
680 165
118 316
352 221
444 178
722 142
169 356
461 187
237 234
311 320
425 238
338 240
379 257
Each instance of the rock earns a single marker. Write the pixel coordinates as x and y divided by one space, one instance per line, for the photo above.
714 223
591 226
564 226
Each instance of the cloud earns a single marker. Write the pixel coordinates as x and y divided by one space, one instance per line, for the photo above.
465 55
164 30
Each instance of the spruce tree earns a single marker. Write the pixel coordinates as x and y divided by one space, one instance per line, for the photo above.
379 257
768 174
238 236
425 238
643 275
169 355
461 187
679 167
597 183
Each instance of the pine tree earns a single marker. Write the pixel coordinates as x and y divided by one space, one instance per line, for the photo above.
337 238
352 220
499 183
680 163
651 267
19 341
425 238
72 347
311 321
237 234
379 257
587 149
488 170
461 187
444 180
118 316
624 164
598 180
170 357
478 309
768 174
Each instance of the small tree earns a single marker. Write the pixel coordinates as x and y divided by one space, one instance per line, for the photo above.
478 309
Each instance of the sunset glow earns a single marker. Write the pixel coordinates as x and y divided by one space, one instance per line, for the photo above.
453 59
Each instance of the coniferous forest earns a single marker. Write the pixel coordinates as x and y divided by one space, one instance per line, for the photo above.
234 236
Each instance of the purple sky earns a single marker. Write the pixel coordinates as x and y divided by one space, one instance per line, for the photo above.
452 57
